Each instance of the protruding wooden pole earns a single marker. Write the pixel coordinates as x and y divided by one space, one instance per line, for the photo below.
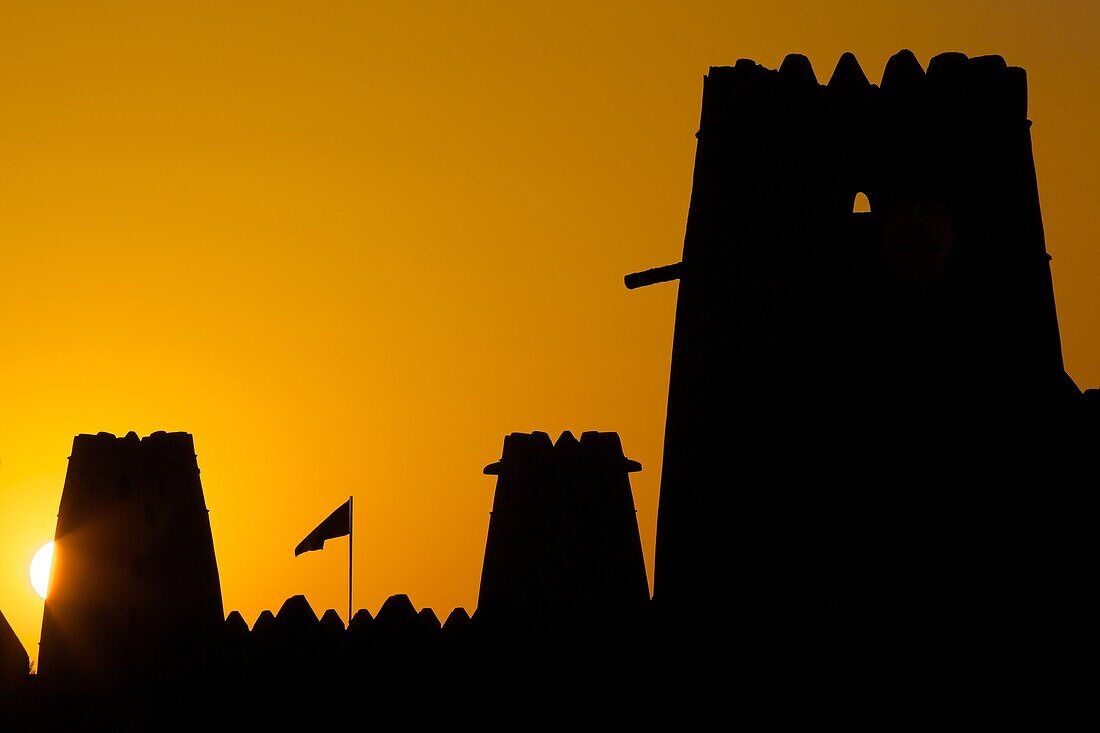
651 277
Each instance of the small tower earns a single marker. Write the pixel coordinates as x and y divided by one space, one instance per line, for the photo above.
563 555
134 593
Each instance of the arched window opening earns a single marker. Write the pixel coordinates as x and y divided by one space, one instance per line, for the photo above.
861 205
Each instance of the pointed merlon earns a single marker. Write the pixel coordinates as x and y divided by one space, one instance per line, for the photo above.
296 612
429 619
265 623
848 75
331 621
902 73
456 620
797 71
397 609
235 625
360 621
567 441
398 615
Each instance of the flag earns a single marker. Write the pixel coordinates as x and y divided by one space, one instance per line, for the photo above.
338 524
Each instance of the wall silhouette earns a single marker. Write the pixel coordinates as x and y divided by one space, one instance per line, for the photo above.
14 662
134 596
877 476
870 434
294 655
563 593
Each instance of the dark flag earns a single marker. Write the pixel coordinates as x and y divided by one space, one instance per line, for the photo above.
338 524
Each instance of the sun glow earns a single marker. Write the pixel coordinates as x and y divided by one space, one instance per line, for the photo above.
40 569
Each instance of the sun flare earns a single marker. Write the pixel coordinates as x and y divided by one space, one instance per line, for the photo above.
40 569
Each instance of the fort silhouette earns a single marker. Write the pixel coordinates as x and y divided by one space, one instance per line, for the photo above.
876 476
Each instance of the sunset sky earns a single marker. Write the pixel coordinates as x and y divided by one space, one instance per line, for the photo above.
350 246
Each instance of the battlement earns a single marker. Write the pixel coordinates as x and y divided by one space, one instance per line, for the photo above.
297 653
795 152
566 472
138 459
605 448
536 474
85 444
953 87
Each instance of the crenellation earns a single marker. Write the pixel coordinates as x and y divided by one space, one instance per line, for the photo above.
903 75
954 89
457 619
848 78
797 73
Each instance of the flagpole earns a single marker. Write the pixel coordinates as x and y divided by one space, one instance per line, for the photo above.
351 526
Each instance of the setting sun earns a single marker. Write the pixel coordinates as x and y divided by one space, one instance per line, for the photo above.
40 569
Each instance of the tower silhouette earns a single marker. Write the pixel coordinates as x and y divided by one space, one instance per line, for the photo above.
867 411
134 596
563 572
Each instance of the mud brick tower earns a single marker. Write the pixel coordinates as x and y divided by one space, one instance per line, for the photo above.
869 427
134 594
563 557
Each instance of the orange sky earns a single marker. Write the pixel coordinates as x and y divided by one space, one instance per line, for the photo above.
350 246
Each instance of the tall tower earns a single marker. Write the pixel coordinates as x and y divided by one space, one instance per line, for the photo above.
861 405
134 595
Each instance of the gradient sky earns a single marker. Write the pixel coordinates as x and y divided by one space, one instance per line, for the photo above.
350 246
